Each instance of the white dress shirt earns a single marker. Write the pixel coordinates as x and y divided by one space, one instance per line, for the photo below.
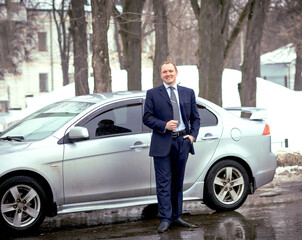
181 126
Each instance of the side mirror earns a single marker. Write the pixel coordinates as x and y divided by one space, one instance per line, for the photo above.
78 134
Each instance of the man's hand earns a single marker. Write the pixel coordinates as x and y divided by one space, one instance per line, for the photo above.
172 125
191 138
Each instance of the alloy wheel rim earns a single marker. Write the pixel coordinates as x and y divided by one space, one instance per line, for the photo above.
228 185
20 206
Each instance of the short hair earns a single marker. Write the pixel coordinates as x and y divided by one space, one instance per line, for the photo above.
168 62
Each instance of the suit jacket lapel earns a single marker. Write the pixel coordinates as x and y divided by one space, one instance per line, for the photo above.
164 94
181 101
180 96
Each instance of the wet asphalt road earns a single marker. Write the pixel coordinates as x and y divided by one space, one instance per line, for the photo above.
273 212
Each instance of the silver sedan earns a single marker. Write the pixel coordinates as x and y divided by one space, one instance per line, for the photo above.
92 152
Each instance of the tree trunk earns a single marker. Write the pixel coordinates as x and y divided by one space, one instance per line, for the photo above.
212 29
63 38
65 67
204 25
118 45
134 57
251 63
161 39
298 79
130 30
101 12
79 33
234 35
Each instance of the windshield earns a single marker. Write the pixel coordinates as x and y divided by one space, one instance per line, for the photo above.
44 122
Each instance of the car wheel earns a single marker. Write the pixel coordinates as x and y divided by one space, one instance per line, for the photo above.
226 186
22 204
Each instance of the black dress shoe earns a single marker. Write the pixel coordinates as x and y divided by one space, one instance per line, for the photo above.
163 227
181 223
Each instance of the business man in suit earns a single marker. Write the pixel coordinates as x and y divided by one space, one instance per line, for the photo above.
171 112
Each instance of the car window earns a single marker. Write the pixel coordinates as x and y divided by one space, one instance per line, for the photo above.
207 118
116 121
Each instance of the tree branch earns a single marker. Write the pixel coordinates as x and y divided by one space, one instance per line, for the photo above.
195 7
116 14
237 29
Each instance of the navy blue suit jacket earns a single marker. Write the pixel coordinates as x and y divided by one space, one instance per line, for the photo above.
158 111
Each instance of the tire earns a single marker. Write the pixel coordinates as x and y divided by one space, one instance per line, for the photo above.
23 204
226 186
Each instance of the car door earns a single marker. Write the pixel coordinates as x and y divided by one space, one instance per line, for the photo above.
207 140
206 143
114 163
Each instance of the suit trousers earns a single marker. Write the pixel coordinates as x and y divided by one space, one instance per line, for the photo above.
169 174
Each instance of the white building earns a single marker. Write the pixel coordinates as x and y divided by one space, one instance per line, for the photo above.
279 66
44 73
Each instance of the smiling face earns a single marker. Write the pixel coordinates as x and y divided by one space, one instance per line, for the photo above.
168 74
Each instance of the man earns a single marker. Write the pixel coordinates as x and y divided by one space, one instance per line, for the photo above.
171 112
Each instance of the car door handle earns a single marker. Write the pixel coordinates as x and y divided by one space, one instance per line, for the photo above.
139 146
206 138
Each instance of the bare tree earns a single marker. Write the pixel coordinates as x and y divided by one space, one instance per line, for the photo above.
212 17
237 29
130 29
182 32
161 39
215 47
118 45
251 64
79 33
289 18
64 38
18 28
101 12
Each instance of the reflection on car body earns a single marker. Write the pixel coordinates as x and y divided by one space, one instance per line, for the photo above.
92 152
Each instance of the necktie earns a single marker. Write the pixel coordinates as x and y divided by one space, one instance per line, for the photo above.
174 105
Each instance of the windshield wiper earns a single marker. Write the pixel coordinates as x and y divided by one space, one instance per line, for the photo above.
13 138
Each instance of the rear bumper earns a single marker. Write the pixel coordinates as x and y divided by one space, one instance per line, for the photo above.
267 175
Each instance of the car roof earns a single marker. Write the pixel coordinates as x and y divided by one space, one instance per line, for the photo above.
102 98
107 96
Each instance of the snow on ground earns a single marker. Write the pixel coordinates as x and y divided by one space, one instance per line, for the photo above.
284 116
289 169
282 103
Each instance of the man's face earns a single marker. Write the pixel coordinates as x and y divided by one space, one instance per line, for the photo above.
168 74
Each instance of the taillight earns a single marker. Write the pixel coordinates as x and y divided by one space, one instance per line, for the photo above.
266 130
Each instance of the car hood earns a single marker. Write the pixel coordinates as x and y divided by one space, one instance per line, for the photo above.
9 147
